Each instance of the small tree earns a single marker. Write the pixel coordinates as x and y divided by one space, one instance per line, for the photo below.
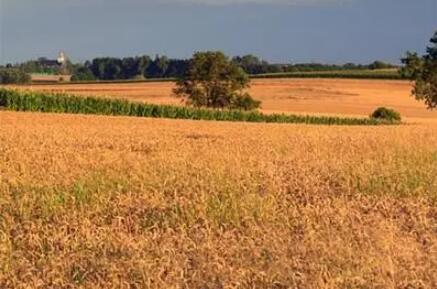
212 80
424 71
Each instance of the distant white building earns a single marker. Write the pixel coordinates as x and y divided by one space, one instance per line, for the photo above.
55 69
60 62
62 58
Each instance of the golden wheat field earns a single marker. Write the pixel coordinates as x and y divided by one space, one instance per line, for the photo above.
322 96
118 202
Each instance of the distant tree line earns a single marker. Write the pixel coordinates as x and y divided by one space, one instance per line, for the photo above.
110 68
253 65
141 67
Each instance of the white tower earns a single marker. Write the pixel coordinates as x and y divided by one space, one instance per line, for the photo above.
62 59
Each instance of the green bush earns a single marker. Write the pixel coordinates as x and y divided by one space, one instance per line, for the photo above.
387 114
13 76
60 103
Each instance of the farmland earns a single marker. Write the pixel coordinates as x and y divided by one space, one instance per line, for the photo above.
16 100
320 96
98 202
92 201
351 74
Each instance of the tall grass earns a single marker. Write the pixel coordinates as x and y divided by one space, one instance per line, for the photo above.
62 103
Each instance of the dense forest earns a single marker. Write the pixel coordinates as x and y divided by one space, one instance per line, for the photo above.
143 67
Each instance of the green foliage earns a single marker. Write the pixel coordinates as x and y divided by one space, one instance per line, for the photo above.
413 64
246 102
109 68
386 114
13 76
40 66
82 73
380 65
424 71
36 66
392 74
61 103
255 66
158 67
212 80
251 64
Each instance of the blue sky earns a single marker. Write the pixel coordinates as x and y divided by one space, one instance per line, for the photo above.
331 31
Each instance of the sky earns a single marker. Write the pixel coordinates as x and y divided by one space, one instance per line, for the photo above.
282 31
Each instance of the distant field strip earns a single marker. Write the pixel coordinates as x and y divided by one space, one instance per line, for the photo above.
62 103
114 81
386 74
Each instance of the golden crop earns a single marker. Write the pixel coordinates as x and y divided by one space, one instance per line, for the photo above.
117 202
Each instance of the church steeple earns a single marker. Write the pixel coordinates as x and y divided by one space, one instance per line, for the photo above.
62 59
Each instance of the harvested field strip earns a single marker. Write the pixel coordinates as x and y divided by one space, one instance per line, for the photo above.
335 97
384 74
61 103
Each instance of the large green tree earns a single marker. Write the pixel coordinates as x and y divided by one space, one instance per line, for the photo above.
213 80
423 70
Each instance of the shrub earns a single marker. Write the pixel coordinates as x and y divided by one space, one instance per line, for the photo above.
386 114
13 76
